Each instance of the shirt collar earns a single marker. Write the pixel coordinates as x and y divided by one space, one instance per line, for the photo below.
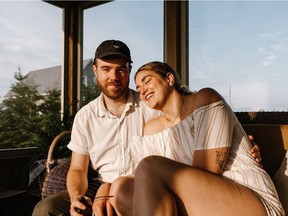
132 102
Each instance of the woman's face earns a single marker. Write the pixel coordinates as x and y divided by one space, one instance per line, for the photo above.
152 87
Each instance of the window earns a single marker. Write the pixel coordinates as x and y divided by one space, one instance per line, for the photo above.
30 38
85 81
137 23
30 44
240 48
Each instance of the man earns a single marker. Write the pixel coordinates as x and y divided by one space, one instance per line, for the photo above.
101 132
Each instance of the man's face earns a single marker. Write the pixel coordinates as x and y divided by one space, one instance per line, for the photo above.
112 76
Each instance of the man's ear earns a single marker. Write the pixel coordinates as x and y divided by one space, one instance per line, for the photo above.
130 67
170 78
94 67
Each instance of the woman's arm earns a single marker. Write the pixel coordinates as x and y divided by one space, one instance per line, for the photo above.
212 160
213 132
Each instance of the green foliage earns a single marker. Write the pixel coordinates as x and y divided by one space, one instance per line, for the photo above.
21 109
31 119
89 94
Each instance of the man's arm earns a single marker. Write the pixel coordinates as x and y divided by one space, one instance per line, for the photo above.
255 151
77 182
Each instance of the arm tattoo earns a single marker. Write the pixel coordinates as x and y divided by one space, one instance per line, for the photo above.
220 159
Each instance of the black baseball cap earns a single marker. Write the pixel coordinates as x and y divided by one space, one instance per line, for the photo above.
112 47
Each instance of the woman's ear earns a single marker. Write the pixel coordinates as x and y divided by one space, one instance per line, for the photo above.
170 78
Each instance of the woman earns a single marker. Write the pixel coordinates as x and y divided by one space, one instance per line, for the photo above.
207 168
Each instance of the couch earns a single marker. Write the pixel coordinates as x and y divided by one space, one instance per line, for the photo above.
273 142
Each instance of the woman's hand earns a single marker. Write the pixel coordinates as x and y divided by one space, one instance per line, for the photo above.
101 204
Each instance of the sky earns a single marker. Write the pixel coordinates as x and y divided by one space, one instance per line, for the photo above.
240 49
31 34
237 47
26 39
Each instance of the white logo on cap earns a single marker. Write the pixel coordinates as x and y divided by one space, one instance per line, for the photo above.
116 46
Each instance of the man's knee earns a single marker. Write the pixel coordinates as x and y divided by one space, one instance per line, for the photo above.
42 208
57 204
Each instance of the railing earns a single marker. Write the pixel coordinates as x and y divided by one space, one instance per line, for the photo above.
263 117
14 167
14 177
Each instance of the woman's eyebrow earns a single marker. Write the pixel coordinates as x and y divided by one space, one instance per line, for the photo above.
142 80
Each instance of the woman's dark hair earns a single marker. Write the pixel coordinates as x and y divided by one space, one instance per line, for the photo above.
163 69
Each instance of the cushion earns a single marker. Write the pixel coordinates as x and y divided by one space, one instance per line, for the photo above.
272 140
281 182
55 181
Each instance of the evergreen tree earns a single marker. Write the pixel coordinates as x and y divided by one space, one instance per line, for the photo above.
31 119
21 109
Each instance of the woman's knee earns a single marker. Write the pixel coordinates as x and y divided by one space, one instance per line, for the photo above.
122 188
122 191
150 167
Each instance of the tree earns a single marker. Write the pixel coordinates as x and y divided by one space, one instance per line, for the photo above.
89 93
21 109
32 119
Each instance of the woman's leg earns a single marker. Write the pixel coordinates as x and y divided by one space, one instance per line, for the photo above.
122 190
159 180
151 195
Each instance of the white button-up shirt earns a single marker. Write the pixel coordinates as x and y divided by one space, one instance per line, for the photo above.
105 137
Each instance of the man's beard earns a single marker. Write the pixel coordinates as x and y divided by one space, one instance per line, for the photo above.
114 93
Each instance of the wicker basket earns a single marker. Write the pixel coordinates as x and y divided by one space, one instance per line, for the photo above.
56 170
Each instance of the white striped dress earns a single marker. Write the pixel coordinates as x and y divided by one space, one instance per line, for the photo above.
212 126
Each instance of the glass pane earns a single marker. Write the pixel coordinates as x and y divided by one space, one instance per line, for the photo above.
30 44
137 23
240 48
31 37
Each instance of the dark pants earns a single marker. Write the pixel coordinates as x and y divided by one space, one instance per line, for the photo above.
59 203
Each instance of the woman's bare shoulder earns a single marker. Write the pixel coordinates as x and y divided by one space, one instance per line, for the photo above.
206 96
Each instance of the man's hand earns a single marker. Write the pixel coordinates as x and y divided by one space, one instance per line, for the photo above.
80 205
255 151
